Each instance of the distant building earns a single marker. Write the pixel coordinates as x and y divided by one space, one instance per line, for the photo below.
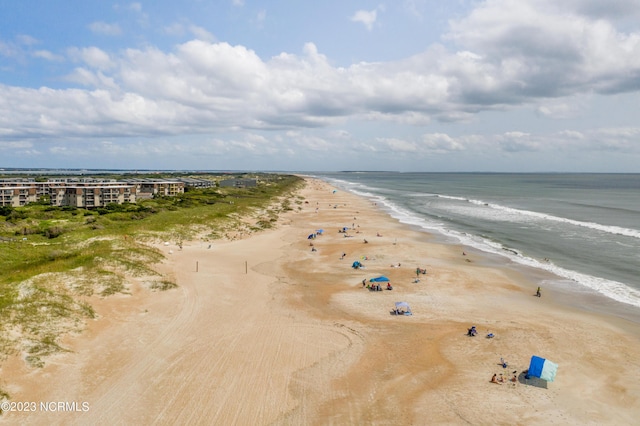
86 193
91 196
18 195
149 188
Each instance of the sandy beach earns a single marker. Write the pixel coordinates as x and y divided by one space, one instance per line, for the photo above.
264 330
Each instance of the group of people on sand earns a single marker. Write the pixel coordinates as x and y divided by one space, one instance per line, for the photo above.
375 287
495 379
503 379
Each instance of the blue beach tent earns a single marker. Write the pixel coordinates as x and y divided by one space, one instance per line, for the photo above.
542 368
380 279
356 265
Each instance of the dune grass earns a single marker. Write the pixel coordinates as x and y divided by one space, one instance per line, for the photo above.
54 260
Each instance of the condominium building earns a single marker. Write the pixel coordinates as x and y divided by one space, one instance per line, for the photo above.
89 192
90 196
18 195
70 193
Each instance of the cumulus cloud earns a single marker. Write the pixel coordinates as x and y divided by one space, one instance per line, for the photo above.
532 50
501 56
92 56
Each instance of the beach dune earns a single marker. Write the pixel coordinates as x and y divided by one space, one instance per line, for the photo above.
276 328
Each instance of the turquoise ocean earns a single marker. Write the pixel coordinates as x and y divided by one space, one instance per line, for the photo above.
581 231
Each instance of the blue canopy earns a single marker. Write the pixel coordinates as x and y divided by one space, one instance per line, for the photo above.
356 265
380 279
320 231
542 368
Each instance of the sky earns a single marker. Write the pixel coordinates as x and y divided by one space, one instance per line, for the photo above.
284 85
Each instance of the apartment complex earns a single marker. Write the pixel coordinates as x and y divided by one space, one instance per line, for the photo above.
17 195
85 192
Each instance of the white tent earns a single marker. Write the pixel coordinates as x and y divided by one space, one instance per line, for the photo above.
403 307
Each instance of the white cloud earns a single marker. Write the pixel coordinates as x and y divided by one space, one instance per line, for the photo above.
175 29
398 145
201 33
368 18
238 3
49 56
104 28
92 56
563 108
440 143
504 56
532 50
27 40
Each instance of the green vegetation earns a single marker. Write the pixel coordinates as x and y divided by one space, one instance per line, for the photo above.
54 259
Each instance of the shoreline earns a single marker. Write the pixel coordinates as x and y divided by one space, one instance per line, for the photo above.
565 291
295 339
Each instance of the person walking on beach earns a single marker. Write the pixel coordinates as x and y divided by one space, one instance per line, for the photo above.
538 293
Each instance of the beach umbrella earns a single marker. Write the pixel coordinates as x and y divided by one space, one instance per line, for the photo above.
542 368
380 279
320 231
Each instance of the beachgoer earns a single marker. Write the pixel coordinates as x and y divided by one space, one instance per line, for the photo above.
503 363
494 379
538 293
501 379
364 282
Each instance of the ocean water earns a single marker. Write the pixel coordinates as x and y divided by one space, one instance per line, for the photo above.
582 228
